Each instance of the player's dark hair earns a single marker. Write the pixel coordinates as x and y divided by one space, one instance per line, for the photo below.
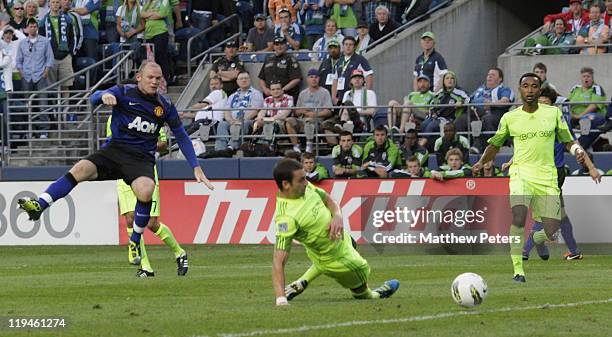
381 128
549 93
283 171
450 124
499 72
530 75
540 65
412 131
308 155
349 38
346 133
413 159
293 155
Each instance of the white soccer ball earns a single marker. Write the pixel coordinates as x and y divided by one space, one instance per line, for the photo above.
469 289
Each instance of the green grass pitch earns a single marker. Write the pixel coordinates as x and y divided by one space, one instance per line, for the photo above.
228 292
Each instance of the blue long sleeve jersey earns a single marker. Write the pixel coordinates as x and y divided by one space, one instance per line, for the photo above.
137 119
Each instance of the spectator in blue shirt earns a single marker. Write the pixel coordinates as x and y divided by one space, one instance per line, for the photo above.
34 60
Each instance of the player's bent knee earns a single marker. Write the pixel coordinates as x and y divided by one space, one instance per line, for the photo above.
84 170
143 188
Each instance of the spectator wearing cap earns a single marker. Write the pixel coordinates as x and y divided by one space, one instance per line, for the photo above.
288 30
422 96
281 67
314 103
371 7
596 32
18 20
260 37
275 7
34 60
341 11
345 67
327 69
331 33
363 38
361 97
430 62
88 11
574 19
314 21
383 25
228 67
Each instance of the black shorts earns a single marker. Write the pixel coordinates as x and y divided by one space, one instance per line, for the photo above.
117 161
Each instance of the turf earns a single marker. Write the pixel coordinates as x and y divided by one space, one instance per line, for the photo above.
228 292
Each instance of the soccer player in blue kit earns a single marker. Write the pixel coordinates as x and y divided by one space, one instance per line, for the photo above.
138 114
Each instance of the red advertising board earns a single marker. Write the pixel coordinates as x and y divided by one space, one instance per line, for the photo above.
242 211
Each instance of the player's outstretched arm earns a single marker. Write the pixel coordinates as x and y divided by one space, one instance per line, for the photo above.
108 97
336 226
278 276
582 158
187 149
488 155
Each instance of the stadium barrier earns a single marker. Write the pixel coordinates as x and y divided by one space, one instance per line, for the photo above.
242 211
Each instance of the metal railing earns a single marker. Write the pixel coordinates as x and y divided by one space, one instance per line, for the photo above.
318 135
53 125
191 40
518 46
401 28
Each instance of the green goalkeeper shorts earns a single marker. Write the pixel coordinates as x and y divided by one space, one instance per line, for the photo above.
543 199
349 268
127 198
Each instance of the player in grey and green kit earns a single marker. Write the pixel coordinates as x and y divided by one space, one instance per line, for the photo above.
533 174
309 215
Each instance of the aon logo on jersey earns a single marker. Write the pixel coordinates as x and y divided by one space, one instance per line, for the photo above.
142 126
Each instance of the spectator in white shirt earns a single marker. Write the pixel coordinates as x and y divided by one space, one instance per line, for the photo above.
361 97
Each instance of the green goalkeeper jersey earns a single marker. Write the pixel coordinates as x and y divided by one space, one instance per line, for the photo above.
533 135
306 220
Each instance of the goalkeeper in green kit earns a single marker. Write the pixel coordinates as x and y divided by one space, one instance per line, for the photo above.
533 174
309 215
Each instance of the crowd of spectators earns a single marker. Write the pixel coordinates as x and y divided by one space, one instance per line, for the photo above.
582 23
402 137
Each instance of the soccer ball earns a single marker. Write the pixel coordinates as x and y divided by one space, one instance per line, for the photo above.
469 289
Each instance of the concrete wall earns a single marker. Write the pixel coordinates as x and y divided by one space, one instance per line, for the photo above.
470 35
563 70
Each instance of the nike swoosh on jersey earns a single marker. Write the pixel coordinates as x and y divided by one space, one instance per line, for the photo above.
133 103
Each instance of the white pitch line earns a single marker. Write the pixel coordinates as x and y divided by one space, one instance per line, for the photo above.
306 328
